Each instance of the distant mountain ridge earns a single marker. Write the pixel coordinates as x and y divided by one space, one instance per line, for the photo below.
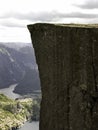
15 45
18 66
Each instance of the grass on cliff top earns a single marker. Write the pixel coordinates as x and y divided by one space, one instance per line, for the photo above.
79 25
63 24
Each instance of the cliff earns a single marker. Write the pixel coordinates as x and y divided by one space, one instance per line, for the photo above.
67 58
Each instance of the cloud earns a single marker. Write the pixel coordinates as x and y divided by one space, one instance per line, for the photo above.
47 16
78 15
90 4
11 24
20 20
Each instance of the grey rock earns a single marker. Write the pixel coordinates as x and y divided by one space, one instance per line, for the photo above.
67 58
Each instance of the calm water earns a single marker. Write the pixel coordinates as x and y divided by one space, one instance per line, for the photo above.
9 92
30 126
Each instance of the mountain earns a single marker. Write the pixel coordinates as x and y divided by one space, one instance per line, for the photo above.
29 83
16 45
18 66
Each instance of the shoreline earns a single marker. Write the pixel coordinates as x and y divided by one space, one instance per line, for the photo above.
9 92
16 120
33 125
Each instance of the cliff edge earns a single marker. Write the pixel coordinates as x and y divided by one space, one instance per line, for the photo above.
67 58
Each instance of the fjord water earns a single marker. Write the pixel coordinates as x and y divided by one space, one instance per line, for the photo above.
30 126
9 92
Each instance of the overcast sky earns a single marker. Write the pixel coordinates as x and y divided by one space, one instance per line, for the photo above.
16 14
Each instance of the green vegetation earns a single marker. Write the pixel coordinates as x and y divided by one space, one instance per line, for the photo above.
79 25
13 113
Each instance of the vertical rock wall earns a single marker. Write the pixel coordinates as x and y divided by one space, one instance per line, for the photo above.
67 58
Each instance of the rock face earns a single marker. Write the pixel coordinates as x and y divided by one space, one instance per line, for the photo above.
67 58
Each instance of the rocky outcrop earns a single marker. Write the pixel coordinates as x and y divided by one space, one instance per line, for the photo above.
67 58
13 113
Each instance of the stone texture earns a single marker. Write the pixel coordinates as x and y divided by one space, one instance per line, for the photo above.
67 58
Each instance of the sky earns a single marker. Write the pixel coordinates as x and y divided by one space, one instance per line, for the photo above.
15 15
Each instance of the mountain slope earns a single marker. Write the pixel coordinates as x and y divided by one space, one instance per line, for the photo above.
18 66
29 83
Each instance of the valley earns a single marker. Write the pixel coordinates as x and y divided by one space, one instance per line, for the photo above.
20 94
18 65
18 111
